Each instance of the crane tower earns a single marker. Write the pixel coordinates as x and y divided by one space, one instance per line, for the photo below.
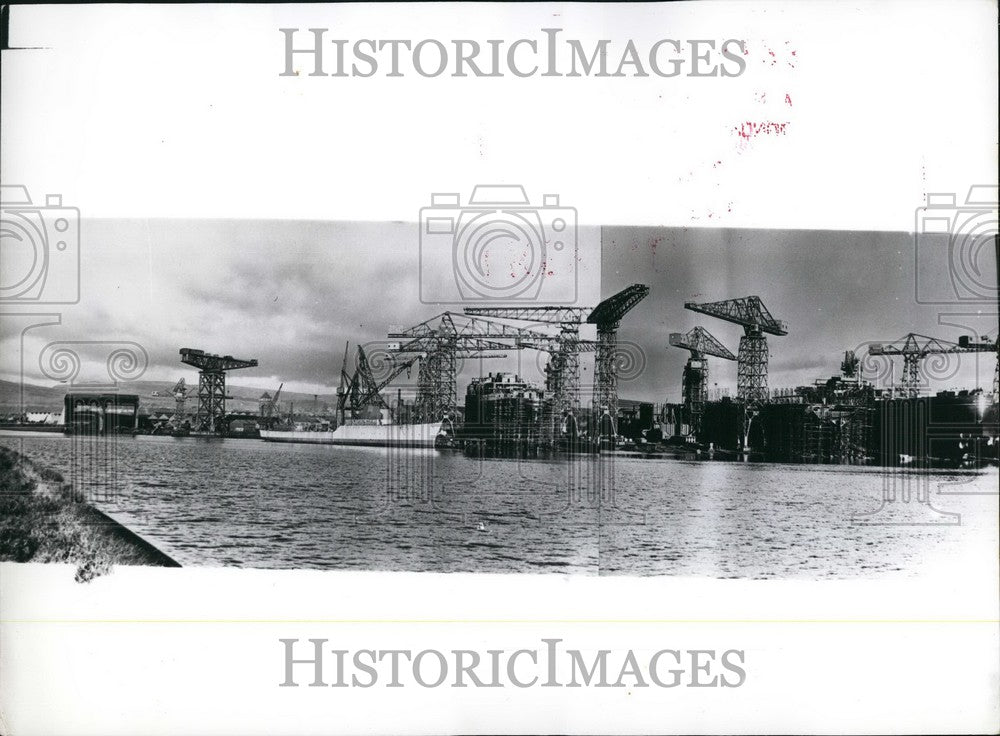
443 342
700 343
914 348
212 385
607 316
564 364
750 312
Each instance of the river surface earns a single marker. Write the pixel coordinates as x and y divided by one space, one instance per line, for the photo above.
250 503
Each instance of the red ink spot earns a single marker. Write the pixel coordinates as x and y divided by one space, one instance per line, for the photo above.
788 99
750 129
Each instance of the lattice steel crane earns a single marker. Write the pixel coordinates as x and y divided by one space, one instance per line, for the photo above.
443 342
269 404
212 385
607 316
179 392
556 374
700 343
567 397
362 390
914 348
750 312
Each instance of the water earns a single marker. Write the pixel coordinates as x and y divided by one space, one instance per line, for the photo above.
255 504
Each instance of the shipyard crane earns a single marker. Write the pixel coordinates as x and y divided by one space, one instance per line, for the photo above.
179 392
700 343
269 407
914 348
363 390
850 366
750 312
608 316
212 397
444 340
555 370
566 362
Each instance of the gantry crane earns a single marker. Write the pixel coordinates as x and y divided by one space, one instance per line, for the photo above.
750 312
556 377
443 342
914 348
700 343
607 316
566 361
212 385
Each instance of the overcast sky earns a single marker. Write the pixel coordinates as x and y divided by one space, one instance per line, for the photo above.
291 293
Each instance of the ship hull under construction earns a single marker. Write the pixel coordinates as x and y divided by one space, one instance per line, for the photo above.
946 430
372 435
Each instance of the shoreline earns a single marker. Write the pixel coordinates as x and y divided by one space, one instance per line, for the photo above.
44 520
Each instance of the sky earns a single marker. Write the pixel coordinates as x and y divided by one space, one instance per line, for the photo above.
291 293
226 207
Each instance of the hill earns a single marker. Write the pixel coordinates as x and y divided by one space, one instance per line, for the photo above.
245 398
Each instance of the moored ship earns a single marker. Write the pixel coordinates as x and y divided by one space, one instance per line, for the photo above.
364 416
364 432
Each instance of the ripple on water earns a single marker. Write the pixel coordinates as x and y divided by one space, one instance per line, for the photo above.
253 504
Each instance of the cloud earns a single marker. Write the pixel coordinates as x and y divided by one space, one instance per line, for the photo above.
291 293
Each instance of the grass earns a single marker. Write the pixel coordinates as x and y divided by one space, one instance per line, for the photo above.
43 520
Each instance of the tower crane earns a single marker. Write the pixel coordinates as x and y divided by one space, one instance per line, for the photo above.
750 312
212 385
700 343
914 348
607 316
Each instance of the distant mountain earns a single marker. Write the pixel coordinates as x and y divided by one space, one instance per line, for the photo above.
41 398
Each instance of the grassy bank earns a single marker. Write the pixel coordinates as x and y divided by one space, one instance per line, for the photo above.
41 521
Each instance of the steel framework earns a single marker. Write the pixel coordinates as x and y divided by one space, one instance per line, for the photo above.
914 348
608 316
563 370
179 392
212 385
557 376
756 320
442 342
700 343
